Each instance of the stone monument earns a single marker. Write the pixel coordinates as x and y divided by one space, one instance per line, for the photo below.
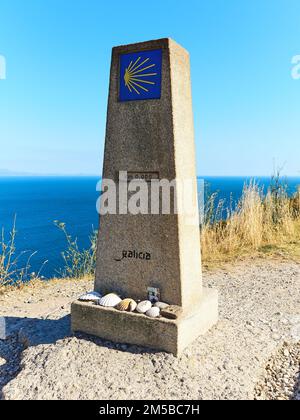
150 137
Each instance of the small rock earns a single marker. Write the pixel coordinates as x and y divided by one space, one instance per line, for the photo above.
143 306
153 312
172 312
274 330
276 337
161 305
225 365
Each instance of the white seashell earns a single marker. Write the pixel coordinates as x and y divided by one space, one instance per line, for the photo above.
90 297
161 305
153 312
144 306
128 305
110 301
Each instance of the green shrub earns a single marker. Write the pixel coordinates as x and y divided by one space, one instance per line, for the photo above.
77 263
10 271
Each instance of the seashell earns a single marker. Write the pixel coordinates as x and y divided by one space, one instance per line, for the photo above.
110 301
128 305
144 306
153 312
139 72
161 305
90 297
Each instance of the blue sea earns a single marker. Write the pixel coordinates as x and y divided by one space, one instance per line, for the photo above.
38 201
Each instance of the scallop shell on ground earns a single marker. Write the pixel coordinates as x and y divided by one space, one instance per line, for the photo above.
153 312
144 306
110 301
90 297
128 305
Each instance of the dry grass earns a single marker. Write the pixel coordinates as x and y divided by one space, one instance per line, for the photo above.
261 224
37 284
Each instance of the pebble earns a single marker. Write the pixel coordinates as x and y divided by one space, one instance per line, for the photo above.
2 361
225 365
143 306
161 305
274 330
172 312
276 337
153 312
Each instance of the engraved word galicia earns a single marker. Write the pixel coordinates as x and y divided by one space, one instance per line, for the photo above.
135 255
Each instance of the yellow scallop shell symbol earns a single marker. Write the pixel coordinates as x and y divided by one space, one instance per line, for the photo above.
137 76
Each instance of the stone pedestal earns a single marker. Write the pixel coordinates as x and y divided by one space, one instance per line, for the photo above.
172 336
150 136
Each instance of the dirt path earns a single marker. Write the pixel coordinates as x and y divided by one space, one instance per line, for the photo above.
259 312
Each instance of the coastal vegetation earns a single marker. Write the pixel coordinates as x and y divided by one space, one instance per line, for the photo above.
77 263
12 272
261 223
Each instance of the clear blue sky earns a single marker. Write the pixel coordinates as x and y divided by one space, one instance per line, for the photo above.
53 102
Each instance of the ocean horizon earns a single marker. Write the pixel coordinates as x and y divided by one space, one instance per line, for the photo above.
37 201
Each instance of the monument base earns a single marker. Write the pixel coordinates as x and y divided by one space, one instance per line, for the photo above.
172 336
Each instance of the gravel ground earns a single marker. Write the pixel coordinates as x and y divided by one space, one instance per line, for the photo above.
281 379
253 352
